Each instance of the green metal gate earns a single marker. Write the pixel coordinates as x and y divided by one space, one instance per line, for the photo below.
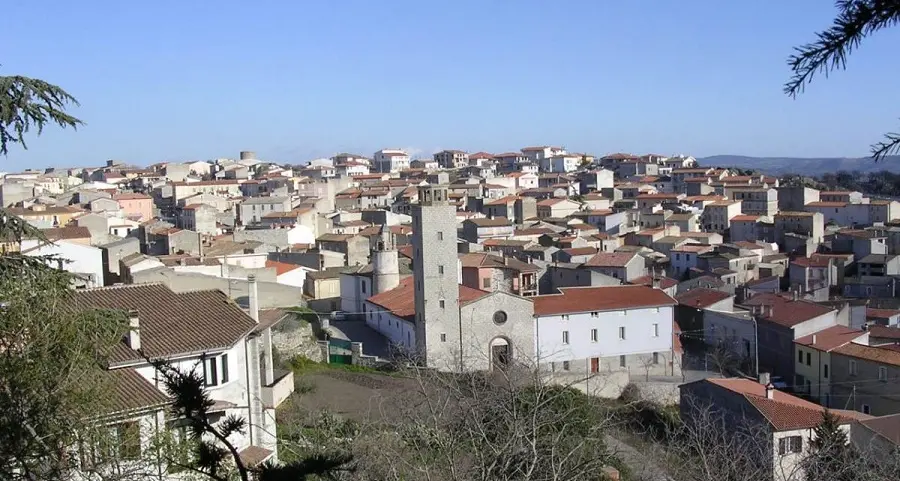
339 352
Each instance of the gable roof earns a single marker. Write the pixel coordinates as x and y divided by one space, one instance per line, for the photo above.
606 298
281 267
610 259
701 297
830 338
786 312
400 301
784 412
171 324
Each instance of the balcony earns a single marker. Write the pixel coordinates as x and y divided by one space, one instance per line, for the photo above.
282 387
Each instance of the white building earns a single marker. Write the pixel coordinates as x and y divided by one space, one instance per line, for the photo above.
85 262
198 331
390 160
563 163
603 329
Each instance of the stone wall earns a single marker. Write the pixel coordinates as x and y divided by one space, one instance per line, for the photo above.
294 337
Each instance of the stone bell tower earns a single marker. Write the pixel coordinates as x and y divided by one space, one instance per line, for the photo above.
385 264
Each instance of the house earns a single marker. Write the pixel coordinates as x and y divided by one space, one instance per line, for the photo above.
557 207
865 378
452 159
717 215
354 247
232 351
490 272
135 205
200 218
777 426
288 274
775 321
602 329
253 209
814 370
390 160
479 230
815 275
45 216
322 289
82 260
625 266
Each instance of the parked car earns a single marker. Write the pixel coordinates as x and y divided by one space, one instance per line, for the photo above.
338 316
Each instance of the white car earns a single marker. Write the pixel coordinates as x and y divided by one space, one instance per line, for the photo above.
338 316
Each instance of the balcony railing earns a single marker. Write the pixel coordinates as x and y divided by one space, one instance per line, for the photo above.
282 387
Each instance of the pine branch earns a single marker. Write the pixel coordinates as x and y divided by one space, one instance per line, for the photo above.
27 103
856 20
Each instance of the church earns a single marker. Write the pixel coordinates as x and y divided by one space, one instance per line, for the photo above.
429 315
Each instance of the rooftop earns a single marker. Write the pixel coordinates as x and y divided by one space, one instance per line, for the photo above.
171 324
607 298
830 338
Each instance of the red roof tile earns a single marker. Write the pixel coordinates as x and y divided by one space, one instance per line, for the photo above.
870 353
701 297
664 282
606 298
610 259
830 338
401 302
787 312
784 411
281 267
881 313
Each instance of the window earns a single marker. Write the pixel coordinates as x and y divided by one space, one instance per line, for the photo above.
486 283
364 286
808 359
441 303
621 361
882 374
215 370
852 367
440 235
565 317
593 335
443 337
565 337
655 358
825 371
866 409
656 330
799 356
440 269
790 444
128 435
595 314
565 365
621 332
500 318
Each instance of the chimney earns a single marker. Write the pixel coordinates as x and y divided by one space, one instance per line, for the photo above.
770 391
133 339
656 282
254 297
764 378
814 339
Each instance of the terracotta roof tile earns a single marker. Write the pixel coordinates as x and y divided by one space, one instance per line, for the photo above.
664 282
606 298
281 267
701 297
401 302
784 411
68 232
870 353
873 313
610 259
830 338
885 332
787 312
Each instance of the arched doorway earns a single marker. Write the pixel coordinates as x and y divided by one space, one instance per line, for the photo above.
501 353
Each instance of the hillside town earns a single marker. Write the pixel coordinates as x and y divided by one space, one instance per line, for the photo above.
772 301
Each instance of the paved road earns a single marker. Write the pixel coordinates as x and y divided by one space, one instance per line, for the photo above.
640 465
374 344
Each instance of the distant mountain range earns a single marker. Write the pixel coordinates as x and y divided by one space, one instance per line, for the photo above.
800 165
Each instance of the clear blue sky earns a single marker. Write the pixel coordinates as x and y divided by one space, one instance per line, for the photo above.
294 80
